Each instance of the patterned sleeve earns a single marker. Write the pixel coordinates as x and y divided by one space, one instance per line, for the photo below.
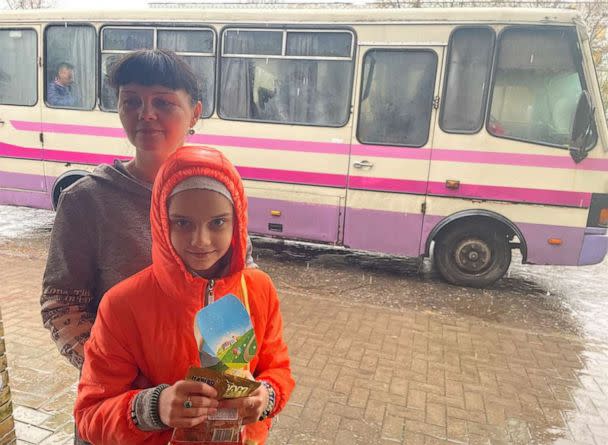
69 280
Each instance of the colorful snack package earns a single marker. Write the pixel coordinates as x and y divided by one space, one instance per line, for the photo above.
226 343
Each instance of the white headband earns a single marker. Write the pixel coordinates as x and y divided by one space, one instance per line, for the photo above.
202 183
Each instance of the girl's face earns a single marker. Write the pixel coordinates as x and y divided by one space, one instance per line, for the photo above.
201 225
156 118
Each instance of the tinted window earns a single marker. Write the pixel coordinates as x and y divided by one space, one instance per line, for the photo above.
306 90
127 39
537 84
327 44
253 42
70 66
468 70
397 97
18 67
186 41
195 46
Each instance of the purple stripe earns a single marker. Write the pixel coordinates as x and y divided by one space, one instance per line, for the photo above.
595 247
541 252
22 181
27 199
536 236
515 194
438 154
314 222
382 231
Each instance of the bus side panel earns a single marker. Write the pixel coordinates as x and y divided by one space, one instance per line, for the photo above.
536 222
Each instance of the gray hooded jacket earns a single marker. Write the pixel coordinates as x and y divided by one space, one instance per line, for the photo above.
101 236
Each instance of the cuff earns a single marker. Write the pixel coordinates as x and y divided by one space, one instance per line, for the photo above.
144 411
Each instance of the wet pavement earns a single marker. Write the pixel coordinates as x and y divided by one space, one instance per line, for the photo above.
382 350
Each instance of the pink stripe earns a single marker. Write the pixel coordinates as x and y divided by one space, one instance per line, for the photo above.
271 144
438 154
85 130
516 194
81 158
76 157
391 152
479 157
387 185
293 177
15 151
519 159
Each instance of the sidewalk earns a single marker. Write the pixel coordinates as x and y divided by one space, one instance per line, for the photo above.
365 375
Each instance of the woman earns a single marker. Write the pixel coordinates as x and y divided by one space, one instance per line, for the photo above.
101 233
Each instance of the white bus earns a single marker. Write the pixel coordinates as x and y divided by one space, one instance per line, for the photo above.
480 130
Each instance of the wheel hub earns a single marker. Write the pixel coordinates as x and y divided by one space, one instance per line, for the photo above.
473 256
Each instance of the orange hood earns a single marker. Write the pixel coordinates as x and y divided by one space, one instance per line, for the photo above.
170 271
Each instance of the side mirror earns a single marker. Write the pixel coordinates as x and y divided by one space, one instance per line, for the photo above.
582 127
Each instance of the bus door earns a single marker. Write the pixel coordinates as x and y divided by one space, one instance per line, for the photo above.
21 166
390 150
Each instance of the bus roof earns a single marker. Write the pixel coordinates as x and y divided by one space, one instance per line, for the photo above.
298 15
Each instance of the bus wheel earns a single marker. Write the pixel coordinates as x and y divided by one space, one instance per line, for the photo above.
62 185
471 255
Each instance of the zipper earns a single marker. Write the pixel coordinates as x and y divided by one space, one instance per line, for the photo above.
209 297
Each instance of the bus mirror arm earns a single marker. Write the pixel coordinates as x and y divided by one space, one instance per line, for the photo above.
582 128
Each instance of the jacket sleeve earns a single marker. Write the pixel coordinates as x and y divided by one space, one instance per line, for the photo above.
69 280
105 393
274 365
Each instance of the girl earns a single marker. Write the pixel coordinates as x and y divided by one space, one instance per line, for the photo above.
144 324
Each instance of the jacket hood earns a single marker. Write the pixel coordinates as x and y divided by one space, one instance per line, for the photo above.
170 271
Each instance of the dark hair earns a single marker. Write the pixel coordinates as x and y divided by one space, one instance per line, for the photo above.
62 65
155 67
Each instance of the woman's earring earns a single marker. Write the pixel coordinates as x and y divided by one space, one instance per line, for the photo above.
191 131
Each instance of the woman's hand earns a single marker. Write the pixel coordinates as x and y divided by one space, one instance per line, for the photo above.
174 413
250 408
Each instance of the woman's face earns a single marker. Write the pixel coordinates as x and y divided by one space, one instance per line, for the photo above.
156 118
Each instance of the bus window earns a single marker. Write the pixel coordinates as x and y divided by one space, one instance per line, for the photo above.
18 67
127 39
70 59
296 77
537 84
197 48
466 87
397 97
115 42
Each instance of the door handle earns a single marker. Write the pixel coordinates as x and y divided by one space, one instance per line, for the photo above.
363 164
1 122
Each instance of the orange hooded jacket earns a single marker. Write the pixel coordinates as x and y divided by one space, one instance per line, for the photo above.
144 326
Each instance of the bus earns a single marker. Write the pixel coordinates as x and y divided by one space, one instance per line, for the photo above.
468 133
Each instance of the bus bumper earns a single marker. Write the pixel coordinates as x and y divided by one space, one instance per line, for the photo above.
595 246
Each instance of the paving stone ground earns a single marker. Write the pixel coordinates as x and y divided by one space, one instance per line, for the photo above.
365 374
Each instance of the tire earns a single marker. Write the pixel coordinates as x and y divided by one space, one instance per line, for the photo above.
472 256
61 186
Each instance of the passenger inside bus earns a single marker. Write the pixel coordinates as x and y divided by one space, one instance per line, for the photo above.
59 91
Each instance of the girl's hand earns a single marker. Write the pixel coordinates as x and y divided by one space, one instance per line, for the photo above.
171 407
251 407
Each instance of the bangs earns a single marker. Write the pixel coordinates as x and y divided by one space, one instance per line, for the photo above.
155 67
